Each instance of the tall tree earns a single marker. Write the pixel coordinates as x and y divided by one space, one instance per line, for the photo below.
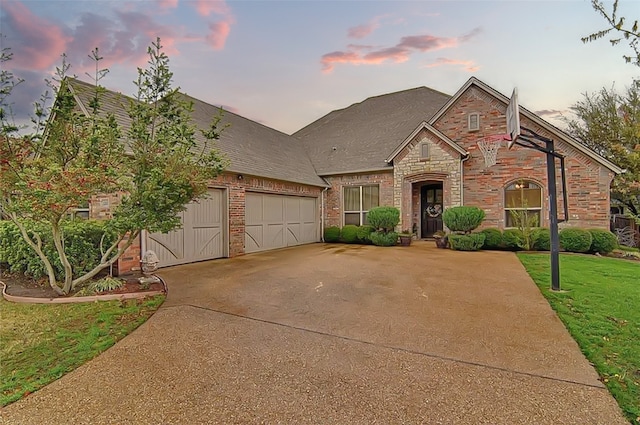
609 123
71 156
617 30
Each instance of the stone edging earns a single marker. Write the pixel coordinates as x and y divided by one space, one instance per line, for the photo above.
91 298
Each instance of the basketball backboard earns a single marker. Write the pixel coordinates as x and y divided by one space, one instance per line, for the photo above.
513 118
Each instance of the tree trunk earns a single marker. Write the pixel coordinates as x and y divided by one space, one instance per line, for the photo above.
58 241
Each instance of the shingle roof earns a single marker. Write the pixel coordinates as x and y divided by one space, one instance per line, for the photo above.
252 148
362 136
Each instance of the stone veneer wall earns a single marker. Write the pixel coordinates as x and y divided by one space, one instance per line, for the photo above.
333 205
100 207
588 182
442 165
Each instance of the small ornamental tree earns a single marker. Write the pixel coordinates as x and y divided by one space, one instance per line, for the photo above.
75 156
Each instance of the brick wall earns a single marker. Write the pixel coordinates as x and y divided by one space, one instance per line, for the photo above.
587 181
333 196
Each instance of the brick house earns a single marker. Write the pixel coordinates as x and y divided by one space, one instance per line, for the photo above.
415 150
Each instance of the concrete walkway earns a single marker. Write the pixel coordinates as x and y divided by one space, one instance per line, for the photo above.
338 334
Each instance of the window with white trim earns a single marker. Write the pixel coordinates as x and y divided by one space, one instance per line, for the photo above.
357 201
474 121
424 150
523 203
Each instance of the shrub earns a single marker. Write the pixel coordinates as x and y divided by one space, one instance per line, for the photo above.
469 242
81 241
574 239
493 238
363 233
349 234
463 219
383 238
541 239
602 241
332 234
513 239
383 219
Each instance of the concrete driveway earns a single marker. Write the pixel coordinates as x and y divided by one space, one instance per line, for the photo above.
338 334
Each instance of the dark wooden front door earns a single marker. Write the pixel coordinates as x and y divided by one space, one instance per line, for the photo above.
431 208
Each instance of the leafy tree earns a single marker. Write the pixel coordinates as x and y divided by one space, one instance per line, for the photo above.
617 25
609 123
72 156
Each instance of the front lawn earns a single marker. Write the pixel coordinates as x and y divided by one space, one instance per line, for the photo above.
601 310
41 342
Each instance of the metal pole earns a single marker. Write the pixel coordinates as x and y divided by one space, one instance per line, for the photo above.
553 216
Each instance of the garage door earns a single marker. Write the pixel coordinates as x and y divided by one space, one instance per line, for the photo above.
201 236
277 221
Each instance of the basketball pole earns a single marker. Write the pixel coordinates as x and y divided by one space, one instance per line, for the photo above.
551 155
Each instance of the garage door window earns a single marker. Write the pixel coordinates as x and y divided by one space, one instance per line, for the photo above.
358 200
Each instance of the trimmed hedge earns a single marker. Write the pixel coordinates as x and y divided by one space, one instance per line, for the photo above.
463 219
384 239
470 242
541 239
574 239
513 239
383 219
363 234
332 234
602 241
81 242
349 234
493 238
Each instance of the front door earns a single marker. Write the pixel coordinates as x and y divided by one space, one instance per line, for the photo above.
431 207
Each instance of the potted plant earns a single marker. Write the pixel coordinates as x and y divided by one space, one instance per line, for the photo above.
442 241
405 237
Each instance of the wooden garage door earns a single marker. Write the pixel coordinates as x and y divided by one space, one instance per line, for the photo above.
278 221
201 236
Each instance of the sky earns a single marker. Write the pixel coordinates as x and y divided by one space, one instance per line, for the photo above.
287 63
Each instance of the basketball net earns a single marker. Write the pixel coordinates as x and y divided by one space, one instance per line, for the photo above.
489 146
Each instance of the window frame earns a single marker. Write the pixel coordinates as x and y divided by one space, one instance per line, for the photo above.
469 118
423 146
507 209
361 212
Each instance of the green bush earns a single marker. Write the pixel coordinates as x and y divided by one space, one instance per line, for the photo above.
332 234
349 234
81 241
463 219
383 219
602 241
363 233
469 242
384 238
513 239
541 239
574 239
493 238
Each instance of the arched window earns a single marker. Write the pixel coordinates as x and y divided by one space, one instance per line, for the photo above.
523 204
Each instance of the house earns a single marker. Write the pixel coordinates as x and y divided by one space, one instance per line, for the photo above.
415 149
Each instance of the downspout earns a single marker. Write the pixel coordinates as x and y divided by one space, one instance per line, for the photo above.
322 213
464 158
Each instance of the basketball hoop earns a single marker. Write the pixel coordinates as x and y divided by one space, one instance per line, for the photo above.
489 146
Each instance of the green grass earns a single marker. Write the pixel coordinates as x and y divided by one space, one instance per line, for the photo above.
601 310
41 342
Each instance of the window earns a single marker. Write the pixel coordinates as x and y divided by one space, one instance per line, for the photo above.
474 121
424 150
358 200
523 203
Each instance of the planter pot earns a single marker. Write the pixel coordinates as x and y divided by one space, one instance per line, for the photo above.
442 242
405 240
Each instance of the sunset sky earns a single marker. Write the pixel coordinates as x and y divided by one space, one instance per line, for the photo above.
287 63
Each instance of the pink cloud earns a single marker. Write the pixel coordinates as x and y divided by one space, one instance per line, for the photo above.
35 42
362 31
467 65
168 4
218 33
207 7
396 54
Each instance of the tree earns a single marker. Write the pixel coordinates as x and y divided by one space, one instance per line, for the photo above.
72 156
609 123
617 25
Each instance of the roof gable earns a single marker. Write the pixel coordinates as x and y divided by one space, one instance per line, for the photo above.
428 127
